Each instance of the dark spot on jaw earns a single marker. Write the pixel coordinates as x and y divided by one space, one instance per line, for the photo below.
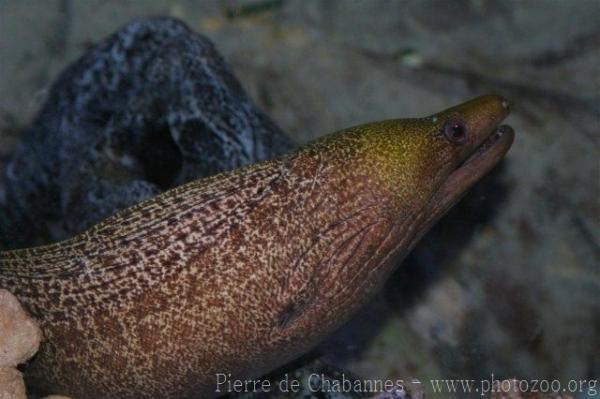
294 309
288 315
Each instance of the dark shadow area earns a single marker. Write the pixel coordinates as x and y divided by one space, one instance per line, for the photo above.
446 240
160 156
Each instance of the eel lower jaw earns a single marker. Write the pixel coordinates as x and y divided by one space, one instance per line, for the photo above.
479 163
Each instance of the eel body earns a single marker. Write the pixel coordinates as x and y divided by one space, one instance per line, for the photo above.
244 271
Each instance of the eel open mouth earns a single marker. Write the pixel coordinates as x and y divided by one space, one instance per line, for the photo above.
483 159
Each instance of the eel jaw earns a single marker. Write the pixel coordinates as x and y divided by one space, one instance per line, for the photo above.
479 163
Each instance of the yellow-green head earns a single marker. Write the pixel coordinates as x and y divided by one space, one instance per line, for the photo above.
416 158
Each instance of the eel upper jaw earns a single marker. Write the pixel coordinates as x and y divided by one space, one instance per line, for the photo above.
483 159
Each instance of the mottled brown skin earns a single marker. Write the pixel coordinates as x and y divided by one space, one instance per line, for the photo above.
244 271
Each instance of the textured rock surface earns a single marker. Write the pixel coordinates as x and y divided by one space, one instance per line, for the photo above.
151 107
19 340
19 334
11 384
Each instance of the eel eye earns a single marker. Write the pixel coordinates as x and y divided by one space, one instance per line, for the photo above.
455 131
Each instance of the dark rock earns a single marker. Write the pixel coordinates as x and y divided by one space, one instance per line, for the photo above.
151 107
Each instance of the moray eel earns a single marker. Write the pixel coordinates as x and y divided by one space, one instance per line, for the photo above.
246 270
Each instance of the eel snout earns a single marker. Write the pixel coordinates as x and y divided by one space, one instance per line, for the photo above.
485 147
